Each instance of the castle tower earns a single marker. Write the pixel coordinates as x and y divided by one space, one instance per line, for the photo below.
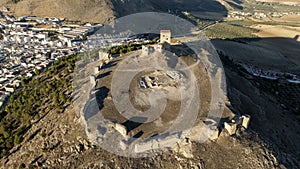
165 36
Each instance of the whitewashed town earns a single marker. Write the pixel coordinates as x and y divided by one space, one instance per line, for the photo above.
241 15
30 44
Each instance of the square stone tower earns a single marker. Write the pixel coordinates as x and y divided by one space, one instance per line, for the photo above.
165 36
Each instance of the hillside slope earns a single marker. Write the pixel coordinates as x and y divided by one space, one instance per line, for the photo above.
103 10
92 10
58 140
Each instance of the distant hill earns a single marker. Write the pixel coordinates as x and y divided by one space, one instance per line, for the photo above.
89 10
101 11
104 10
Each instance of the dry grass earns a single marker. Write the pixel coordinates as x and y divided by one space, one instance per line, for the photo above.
277 31
89 11
289 2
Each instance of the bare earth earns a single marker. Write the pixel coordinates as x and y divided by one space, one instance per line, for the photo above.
88 11
267 31
290 2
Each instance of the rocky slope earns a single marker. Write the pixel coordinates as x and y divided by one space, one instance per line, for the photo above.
58 141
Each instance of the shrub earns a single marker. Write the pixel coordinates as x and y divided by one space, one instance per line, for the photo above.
22 166
18 139
44 134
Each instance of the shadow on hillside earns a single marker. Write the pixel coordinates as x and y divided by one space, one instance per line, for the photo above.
290 44
272 104
287 46
267 50
203 9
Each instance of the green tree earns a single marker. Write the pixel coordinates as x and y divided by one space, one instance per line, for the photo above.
4 152
37 71
22 166
62 97
18 139
55 98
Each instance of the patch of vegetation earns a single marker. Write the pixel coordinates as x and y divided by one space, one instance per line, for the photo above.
21 166
44 134
231 30
268 6
51 33
49 91
128 47
286 8
15 1
31 166
123 49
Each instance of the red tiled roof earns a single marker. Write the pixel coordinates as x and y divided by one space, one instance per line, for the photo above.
165 31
